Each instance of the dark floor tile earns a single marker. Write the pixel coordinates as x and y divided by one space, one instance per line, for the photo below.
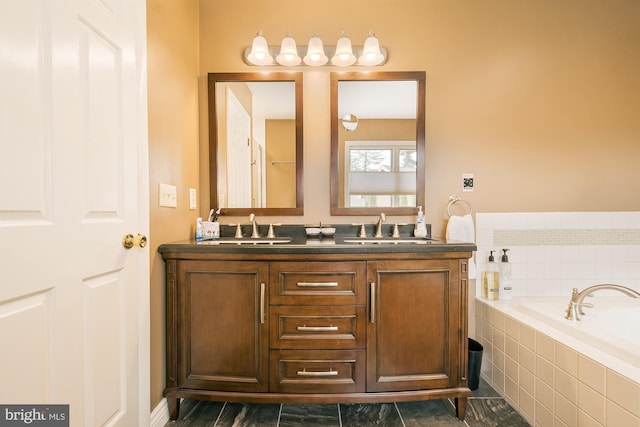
309 415
487 412
436 413
197 413
249 415
485 390
364 415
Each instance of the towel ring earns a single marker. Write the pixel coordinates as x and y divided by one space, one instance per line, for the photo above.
455 199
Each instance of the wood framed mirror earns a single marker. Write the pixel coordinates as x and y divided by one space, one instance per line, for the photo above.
377 153
255 143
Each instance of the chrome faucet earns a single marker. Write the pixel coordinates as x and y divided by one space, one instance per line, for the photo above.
575 305
381 219
254 227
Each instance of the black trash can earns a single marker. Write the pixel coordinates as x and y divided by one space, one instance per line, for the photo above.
475 363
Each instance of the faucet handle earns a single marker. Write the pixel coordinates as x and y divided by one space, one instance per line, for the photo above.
271 233
396 232
238 231
363 232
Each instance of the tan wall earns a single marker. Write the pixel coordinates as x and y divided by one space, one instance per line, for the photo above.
172 33
281 177
538 99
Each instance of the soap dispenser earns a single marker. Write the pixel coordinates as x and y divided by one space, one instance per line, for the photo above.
505 277
421 227
491 279
199 229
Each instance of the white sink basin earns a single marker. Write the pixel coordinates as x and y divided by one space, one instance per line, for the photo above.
387 241
264 241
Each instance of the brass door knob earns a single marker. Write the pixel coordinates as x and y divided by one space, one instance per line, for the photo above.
129 241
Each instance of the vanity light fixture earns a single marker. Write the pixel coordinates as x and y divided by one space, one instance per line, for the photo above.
315 53
288 55
344 53
371 54
259 54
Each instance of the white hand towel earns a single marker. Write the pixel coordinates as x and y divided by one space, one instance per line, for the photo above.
461 229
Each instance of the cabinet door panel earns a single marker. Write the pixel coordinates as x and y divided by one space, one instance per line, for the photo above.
413 333
224 328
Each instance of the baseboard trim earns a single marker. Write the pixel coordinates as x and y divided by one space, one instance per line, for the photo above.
160 414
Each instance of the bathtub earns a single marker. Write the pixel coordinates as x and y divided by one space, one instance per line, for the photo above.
611 325
551 369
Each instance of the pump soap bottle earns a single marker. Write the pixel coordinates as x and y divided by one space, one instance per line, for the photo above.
199 229
421 227
491 279
505 277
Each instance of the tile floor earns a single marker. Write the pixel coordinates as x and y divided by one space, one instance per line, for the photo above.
485 408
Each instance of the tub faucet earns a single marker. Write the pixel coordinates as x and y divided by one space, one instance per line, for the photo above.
254 227
575 305
381 219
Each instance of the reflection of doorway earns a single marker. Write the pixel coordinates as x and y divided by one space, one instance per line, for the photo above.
238 154
258 175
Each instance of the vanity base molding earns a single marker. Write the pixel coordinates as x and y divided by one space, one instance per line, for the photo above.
460 394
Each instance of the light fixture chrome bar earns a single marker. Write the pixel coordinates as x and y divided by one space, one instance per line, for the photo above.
302 51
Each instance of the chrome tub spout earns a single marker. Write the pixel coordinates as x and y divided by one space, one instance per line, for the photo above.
576 304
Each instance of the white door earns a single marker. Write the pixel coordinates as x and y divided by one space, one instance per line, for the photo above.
73 182
238 154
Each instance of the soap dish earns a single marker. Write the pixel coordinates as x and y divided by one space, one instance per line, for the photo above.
313 231
327 231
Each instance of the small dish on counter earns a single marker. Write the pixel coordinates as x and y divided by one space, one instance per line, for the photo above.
313 231
328 231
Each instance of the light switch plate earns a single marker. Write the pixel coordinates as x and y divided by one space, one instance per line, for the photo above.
193 203
467 182
168 195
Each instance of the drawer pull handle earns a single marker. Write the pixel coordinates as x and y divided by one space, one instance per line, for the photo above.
316 284
329 373
262 302
372 315
317 328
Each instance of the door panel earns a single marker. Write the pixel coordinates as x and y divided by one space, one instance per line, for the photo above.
74 180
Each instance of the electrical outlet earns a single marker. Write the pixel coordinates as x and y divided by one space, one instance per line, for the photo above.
467 182
193 203
168 195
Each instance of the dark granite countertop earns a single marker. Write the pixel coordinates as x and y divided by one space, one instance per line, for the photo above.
345 241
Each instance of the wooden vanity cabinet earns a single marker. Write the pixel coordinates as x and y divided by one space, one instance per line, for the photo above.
220 329
413 340
317 328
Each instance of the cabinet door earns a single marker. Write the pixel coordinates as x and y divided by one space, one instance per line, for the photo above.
223 331
415 325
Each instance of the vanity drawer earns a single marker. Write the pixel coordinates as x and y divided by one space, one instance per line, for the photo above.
318 327
318 283
326 371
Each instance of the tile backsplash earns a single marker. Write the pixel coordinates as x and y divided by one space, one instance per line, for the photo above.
553 252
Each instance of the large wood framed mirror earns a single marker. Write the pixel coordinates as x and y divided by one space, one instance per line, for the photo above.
255 143
377 143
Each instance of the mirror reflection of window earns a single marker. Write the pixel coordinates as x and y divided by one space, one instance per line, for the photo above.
380 174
